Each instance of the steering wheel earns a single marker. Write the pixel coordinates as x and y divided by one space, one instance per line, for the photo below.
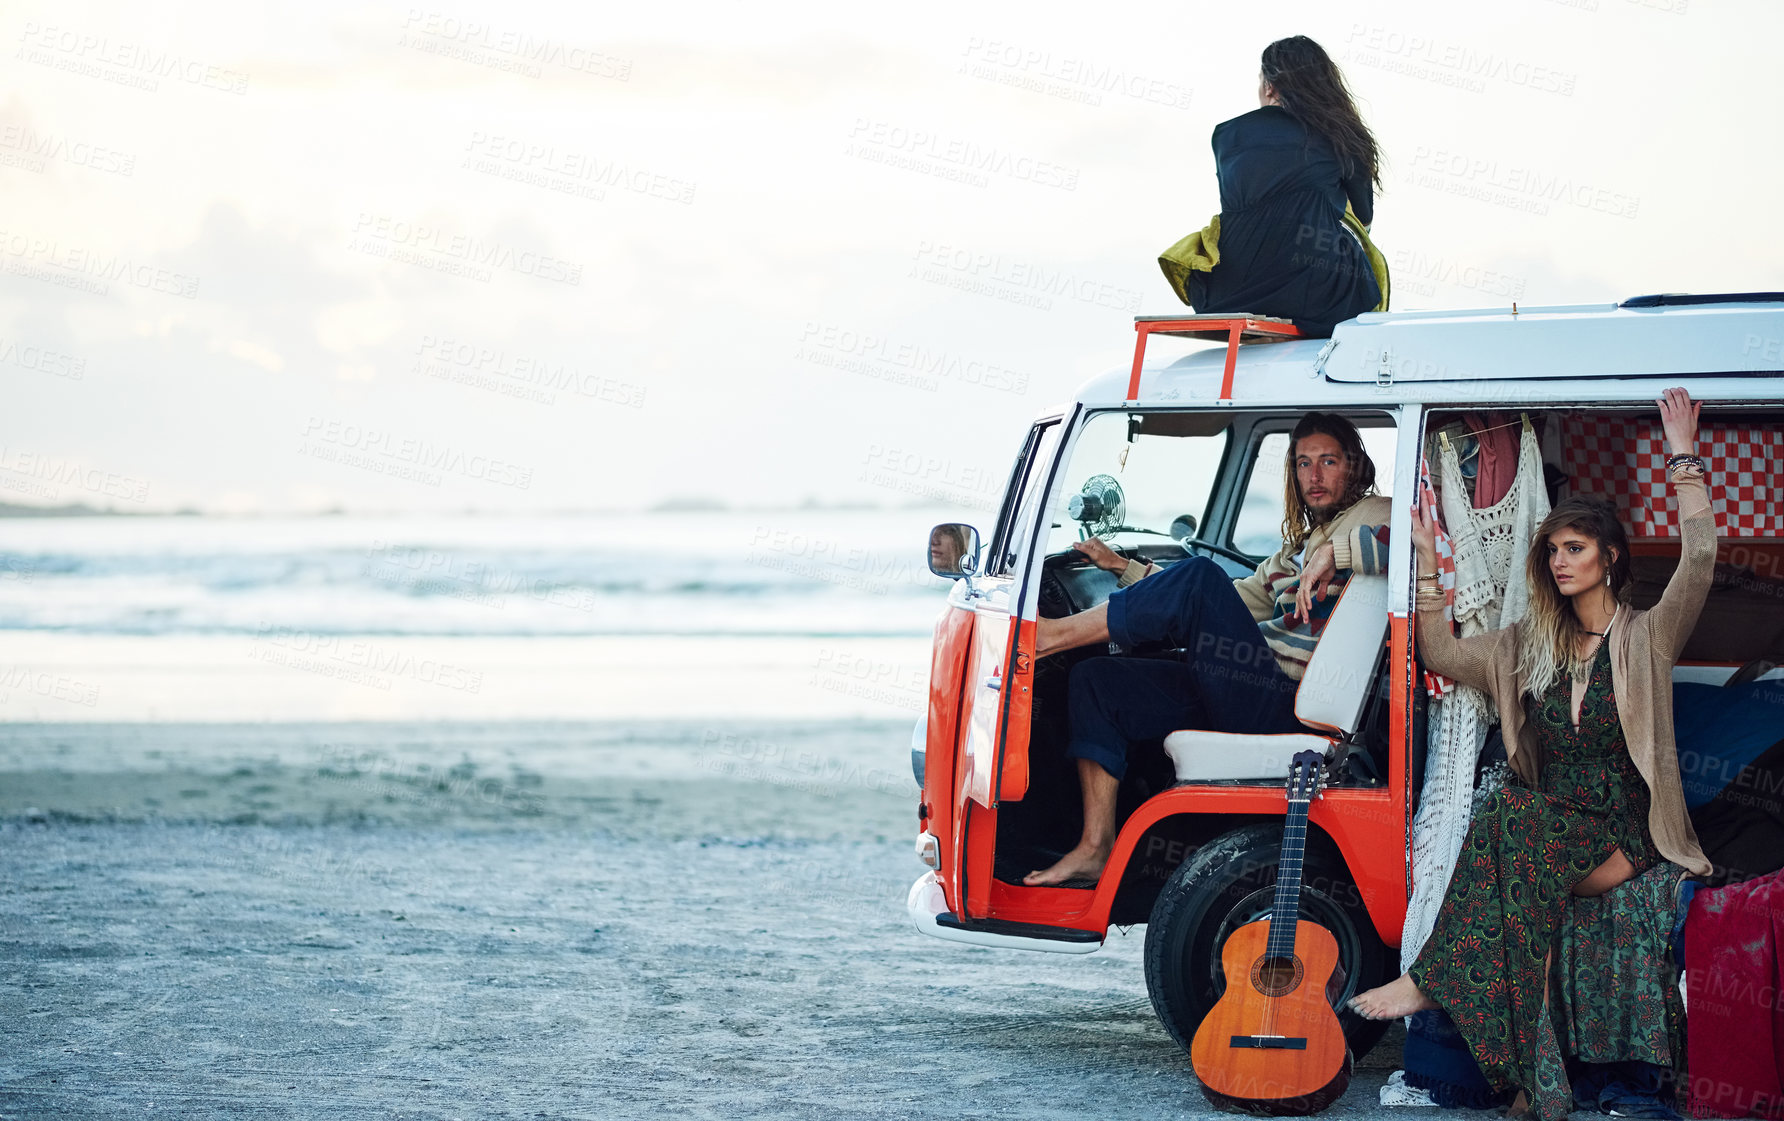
1230 554
1189 544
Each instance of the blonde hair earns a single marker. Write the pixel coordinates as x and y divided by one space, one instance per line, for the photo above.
1549 634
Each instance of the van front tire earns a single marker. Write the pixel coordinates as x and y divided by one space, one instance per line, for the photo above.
1232 881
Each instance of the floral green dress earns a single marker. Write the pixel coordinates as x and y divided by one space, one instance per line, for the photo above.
1616 986
1525 849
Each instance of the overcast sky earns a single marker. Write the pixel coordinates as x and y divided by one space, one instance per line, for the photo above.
532 256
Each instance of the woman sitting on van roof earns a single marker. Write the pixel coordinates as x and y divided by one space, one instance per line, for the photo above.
1280 246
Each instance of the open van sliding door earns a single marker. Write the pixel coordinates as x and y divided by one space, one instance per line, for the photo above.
997 694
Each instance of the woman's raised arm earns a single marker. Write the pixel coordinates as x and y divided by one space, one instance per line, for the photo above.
1465 660
1671 621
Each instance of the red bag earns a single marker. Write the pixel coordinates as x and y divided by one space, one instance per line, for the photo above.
1733 1000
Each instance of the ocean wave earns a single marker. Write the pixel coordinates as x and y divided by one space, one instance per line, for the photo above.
539 577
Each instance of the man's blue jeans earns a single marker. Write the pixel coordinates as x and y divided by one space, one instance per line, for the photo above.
1230 681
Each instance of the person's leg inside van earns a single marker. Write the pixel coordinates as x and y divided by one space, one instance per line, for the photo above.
1115 702
1169 603
1194 607
1228 681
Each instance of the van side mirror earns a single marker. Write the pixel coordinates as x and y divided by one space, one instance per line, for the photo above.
954 550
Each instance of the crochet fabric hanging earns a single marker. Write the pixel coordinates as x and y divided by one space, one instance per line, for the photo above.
1489 548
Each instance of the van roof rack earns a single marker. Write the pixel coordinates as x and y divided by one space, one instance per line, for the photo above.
1228 328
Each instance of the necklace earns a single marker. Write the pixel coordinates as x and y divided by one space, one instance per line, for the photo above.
1582 663
1607 625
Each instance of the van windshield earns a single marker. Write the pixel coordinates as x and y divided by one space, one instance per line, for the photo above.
1139 478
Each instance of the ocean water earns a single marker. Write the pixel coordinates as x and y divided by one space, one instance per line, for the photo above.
688 574
783 613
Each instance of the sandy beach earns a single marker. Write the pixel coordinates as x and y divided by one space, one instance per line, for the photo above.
570 920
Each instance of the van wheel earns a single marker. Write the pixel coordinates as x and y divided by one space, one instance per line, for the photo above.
1232 881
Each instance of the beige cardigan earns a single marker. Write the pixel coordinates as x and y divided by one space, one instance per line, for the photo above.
1644 647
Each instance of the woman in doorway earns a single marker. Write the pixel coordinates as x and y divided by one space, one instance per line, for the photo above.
1286 171
1583 687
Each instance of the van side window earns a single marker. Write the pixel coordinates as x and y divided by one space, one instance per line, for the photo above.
1257 529
1027 485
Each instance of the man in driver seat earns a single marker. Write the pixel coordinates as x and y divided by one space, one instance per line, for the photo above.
1247 640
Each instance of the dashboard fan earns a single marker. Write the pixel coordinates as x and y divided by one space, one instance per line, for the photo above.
1099 506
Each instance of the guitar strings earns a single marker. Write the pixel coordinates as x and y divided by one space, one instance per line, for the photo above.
1287 870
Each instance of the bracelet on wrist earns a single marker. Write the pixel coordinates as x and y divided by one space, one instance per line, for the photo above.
1431 576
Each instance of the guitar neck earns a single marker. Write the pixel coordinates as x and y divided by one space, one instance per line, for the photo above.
1287 909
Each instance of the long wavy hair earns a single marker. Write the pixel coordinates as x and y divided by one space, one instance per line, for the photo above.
1551 631
1312 90
1297 519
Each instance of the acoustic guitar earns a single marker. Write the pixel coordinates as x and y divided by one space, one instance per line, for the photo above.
1272 1044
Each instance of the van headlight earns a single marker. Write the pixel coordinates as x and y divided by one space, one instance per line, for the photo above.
929 850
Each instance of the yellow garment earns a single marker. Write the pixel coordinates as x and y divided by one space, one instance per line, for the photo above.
1378 264
1200 252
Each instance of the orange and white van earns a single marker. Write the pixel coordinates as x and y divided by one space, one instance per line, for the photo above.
1176 455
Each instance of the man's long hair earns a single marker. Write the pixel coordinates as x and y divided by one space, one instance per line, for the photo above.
1313 91
1297 520
1550 632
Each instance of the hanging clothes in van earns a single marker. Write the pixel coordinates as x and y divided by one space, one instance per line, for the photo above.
1488 547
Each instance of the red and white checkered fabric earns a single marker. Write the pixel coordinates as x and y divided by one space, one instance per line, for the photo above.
1435 683
1625 460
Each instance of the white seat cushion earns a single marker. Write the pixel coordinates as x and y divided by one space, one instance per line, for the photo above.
1331 695
1210 756
1336 685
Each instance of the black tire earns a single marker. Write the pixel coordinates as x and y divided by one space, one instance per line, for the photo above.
1232 881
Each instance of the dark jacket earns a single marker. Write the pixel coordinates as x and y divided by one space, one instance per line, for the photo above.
1284 250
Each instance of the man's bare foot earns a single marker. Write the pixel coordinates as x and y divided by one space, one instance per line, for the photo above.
1083 863
1399 997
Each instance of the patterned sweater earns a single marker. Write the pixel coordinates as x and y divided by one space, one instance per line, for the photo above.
1359 539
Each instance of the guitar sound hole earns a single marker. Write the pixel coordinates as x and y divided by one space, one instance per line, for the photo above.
1277 976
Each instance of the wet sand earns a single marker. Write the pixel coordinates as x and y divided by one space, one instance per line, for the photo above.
446 921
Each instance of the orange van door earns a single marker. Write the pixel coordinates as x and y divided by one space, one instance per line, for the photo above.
975 816
985 678
992 760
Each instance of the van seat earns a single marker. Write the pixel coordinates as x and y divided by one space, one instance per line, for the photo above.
1332 696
